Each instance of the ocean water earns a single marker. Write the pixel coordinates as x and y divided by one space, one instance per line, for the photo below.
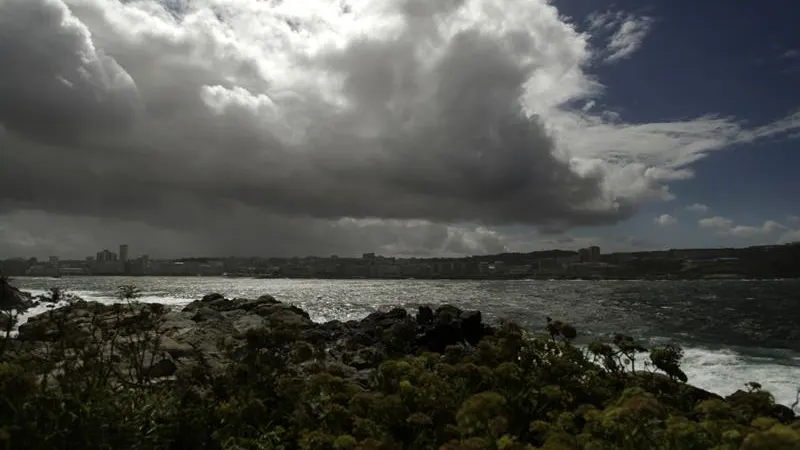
732 331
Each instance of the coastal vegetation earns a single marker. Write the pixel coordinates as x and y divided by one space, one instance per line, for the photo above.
259 374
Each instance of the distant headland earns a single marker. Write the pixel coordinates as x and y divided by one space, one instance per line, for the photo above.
758 262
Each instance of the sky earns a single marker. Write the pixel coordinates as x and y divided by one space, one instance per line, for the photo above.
402 127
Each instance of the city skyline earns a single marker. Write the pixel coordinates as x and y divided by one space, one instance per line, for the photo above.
774 261
356 255
400 127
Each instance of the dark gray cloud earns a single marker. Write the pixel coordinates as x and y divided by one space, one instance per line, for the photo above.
241 232
135 136
56 86
229 120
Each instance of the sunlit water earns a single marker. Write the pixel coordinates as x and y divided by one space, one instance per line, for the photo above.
732 331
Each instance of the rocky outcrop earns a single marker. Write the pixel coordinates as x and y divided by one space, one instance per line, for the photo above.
210 328
13 298
201 331
213 330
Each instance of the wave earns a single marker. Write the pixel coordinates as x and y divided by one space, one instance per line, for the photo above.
724 371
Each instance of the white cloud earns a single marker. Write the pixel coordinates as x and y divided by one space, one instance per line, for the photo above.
665 220
629 32
791 54
307 117
571 242
745 231
717 222
697 207
793 218
789 237
727 227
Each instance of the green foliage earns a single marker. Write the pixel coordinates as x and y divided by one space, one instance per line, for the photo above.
667 359
513 391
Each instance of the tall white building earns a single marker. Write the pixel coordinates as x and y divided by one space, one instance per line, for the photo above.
123 252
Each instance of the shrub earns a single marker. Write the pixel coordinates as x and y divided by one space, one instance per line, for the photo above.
513 391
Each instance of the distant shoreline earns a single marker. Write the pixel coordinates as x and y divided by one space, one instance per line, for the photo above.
712 277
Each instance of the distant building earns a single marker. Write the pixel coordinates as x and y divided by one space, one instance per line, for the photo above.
567 260
109 267
54 261
14 266
123 253
41 270
591 254
107 256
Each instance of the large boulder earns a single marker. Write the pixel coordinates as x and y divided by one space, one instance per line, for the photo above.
450 325
424 315
81 319
662 384
783 413
13 298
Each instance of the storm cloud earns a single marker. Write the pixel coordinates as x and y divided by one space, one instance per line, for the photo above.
392 125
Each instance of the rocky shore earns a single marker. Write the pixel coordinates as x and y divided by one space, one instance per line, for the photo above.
391 356
12 298
214 327
208 329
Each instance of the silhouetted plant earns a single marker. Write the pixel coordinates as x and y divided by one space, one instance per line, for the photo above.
667 358
128 292
628 348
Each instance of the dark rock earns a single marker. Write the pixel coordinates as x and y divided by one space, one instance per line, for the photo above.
446 314
689 395
249 322
364 377
424 315
446 329
782 413
325 332
208 330
212 297
267 299
382 319
401 335
214 301
338 369
161 367
13 298
247 305
300 312
365 358
359 338
204 314
174 348
472 327
283 315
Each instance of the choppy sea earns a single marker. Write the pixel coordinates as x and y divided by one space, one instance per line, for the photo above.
732 331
